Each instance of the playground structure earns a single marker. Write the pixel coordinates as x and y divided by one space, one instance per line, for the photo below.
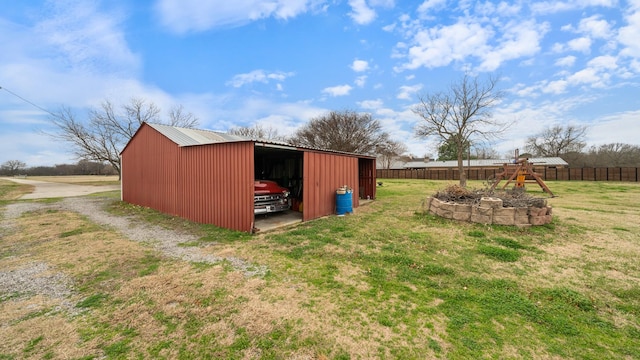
520 170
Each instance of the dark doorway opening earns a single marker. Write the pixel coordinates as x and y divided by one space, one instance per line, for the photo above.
284 165
367 178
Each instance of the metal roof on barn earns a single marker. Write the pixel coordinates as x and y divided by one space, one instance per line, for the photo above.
192 137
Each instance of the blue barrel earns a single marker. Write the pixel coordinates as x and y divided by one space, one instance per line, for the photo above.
344 203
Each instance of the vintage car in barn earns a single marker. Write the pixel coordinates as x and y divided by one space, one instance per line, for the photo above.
269 197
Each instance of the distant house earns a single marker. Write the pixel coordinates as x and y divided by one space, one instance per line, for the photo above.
404 162
414 164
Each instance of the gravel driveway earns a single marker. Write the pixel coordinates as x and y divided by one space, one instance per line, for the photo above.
28 280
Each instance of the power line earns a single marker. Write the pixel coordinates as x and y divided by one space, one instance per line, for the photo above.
28 102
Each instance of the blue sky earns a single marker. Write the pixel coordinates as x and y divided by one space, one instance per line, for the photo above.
279 63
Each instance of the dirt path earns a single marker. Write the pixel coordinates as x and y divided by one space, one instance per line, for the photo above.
45 189
166 241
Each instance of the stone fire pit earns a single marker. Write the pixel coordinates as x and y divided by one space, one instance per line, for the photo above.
463 205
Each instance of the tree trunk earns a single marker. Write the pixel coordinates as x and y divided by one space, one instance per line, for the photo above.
463 174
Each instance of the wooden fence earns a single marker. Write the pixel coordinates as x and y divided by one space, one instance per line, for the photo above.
579 174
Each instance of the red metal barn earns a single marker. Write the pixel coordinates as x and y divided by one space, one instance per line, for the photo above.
208 177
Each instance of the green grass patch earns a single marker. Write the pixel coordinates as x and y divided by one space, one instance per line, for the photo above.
509 243
9 296
498 253
85 228
31 344
118 349
169 322
93 301
619 228
476 234
149 264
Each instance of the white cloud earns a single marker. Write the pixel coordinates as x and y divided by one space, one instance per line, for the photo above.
520 39
566 61
183 16
371 104
629 34
581 44
557 48
501 9
439 46
361 80
595 27
389 28
605 62
533 117
486 39
284 117
428 5
383 3
340 90
35 149
614 128
77 55
552 7
555 87
87 38
406 92
530 91
361 13
360 65
585 76
257 76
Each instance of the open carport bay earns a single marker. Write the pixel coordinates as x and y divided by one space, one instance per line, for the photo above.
283 165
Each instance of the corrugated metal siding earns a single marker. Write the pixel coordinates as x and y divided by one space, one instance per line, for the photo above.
216 184
149 171
323 173
213 183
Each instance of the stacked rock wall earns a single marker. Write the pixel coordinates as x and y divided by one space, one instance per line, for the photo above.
490 211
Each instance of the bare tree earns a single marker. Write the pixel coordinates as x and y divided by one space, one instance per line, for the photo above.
461 115
557 140
615 155
390 151
482 152
13 167
257 132
346 131
178 116
107 131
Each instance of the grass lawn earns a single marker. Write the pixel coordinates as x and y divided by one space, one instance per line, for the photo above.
388 282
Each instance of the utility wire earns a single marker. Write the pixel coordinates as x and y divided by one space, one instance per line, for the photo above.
29 102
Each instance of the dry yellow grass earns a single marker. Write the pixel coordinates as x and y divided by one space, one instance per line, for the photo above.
13 190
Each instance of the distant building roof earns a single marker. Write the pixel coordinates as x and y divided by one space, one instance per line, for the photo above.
546 161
